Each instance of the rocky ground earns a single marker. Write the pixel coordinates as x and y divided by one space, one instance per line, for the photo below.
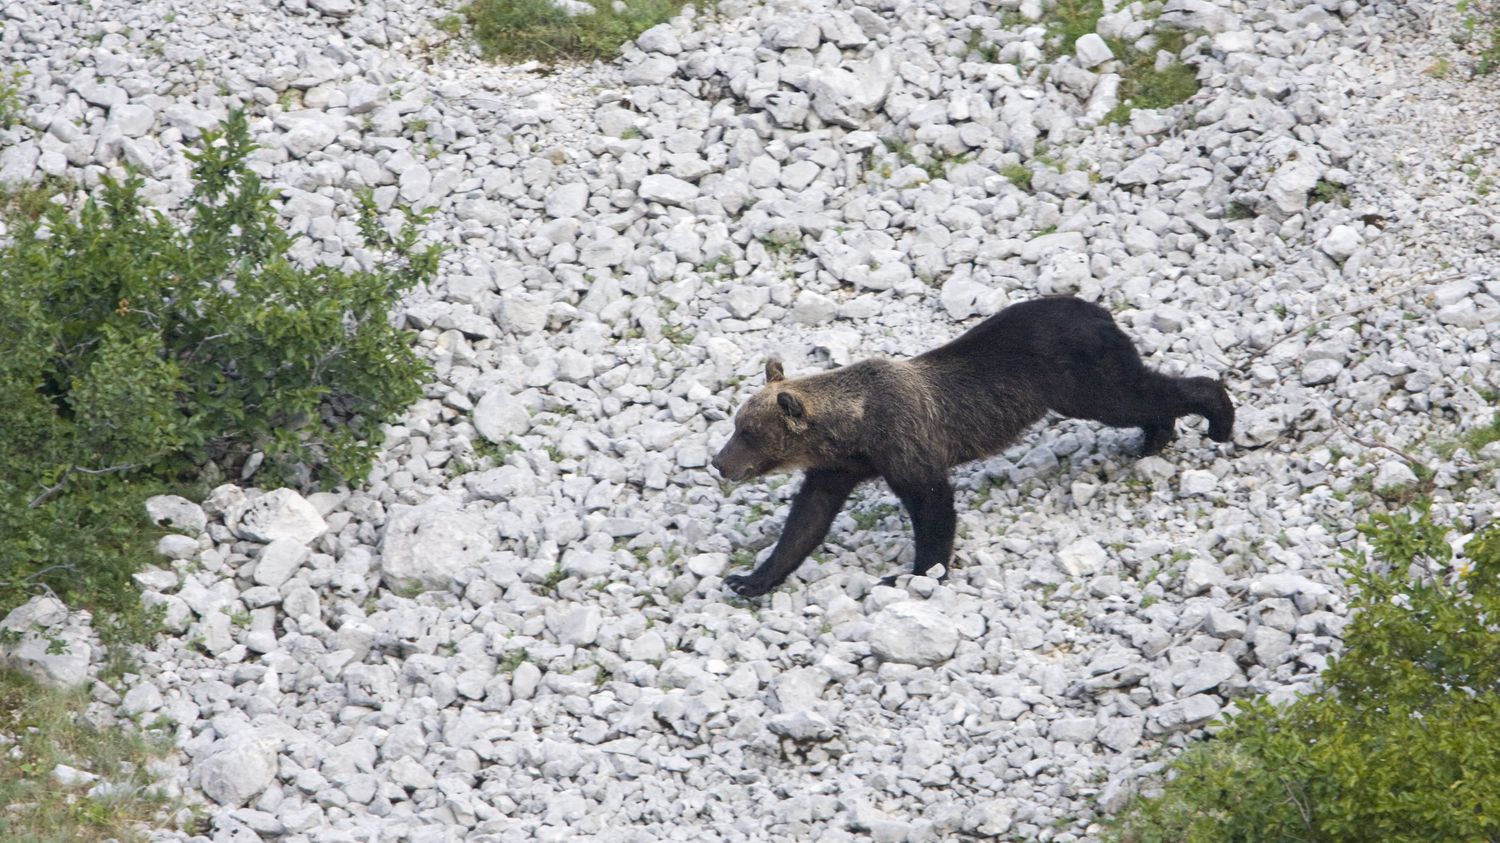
518 628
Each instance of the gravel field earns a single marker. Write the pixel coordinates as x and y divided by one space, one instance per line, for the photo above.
518 629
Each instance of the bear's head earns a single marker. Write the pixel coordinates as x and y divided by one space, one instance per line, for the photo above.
768 430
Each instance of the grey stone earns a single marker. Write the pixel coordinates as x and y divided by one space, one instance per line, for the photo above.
500 415
427 546
278 561
1394 474
1092 51
42 641
177 547
241 766
812 308
1212 670
1075 729
280 514
333 8
1341 242
1082 558
567 201
1318 372
912 632
1289 186
668 190
176 512
802 726
142 699
659 39
651 70
1197 482
308 131
580 626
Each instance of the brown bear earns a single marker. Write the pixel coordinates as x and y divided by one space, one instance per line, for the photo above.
910 421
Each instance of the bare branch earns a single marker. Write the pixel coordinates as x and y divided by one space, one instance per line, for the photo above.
50 491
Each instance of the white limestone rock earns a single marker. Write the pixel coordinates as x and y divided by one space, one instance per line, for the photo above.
279 514
912 632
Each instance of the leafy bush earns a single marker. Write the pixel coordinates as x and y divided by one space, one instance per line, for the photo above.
516 30
139 354
1479 22
1403 741
11 106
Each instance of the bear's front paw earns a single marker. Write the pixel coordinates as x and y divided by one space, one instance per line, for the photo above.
747 585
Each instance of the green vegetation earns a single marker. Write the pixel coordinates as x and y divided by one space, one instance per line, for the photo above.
1481 436
31 201
1069 20
145 358
869 517
1327 191
1142 85
1479 22
11 105
518 30
513 660
1018 174
1403 740
41 729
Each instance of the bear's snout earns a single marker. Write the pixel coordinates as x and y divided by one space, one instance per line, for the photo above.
733 463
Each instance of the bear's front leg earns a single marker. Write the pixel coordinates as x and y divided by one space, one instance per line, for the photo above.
822 495
933 519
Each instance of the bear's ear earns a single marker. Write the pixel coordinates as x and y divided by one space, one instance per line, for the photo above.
790 405
774 372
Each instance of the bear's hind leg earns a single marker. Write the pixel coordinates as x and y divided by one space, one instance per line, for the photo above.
1211 401
1157 437
1154 402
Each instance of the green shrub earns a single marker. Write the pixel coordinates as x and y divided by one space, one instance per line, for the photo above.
516 30
11 105
1479 23
1402 742
139 354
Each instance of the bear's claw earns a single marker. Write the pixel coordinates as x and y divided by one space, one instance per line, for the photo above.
746 585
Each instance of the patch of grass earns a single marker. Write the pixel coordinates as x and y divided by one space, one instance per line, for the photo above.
1480 437
30 202
512 661
554 577
1018 174
1070 20
987 51
1327 191
867 519
41 729
518 30
1240 211
1142 85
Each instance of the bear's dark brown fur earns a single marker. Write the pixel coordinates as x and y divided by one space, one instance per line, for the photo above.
910 421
